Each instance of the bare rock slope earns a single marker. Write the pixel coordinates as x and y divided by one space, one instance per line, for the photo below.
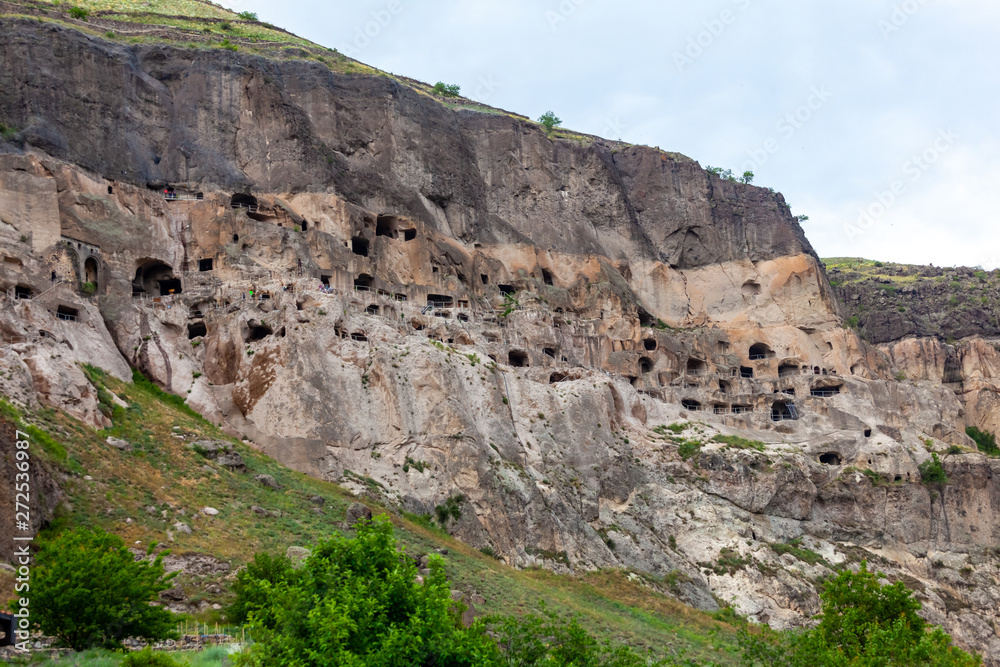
603 355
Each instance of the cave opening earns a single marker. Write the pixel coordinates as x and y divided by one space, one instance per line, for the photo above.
257 331
649 344
359 246
645 365
830 459
196 330
518 359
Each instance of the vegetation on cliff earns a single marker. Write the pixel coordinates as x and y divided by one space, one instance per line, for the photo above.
887 301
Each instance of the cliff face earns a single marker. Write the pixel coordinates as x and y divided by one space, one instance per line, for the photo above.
420 303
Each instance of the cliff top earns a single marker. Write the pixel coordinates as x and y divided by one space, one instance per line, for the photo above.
887 301
200 24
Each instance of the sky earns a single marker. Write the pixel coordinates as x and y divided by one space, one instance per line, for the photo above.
877 119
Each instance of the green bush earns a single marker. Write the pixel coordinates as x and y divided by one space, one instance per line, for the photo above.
689 448
446 90
88 287
147 658
89 591
356 602
863 623
254 584
79 13
248 16
985 441
932 472
549 120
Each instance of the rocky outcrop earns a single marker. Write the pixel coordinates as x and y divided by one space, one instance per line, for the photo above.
576 353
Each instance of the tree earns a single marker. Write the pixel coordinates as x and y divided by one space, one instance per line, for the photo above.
446 90
549 120
801 218
357 602
747 177
932 472
89 591
248 16
864 624
254 584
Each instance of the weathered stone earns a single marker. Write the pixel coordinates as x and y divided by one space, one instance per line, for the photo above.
268 481
297 555
356 512
118 443
182 528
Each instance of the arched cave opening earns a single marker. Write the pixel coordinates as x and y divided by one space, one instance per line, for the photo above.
518 359
257 331
690 404
359 246
243 200
197 330
830 459
645 365
649 344
759 351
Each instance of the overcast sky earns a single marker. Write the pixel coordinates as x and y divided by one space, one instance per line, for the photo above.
877 119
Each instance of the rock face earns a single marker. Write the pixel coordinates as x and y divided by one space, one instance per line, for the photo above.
579 354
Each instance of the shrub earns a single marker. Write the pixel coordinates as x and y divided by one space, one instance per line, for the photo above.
248 16
356 601
932 472
736 442
549 120
79 13
146 658
89 591
689 448
862 623
254 584
985 441
747 177
446 90
88 287
229 46
226 25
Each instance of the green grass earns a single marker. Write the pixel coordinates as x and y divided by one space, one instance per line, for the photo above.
736 442
794 548
162 471
215 656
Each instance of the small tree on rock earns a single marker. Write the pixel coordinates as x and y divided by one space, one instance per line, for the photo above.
549 120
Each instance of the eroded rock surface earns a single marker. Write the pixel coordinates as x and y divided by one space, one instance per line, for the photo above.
456 314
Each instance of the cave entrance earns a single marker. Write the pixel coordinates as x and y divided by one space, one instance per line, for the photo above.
22 292
91 269
783 411
385 225
206 264
787 370
440 300
244 200
153 276
518 359
830 459
67 313
507 290
746 372
692 405
649 344
760 351
364 282
196 330
645 365
257 331
696 367
547 277
359 246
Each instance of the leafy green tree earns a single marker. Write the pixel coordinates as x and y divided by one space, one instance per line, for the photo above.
446 90
254 584
549 120
985 441
747 177
863 624
248 16
356 602
89 591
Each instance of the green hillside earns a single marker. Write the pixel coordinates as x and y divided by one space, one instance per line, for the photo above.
163 472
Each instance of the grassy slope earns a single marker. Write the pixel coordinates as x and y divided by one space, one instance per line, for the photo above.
163 472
